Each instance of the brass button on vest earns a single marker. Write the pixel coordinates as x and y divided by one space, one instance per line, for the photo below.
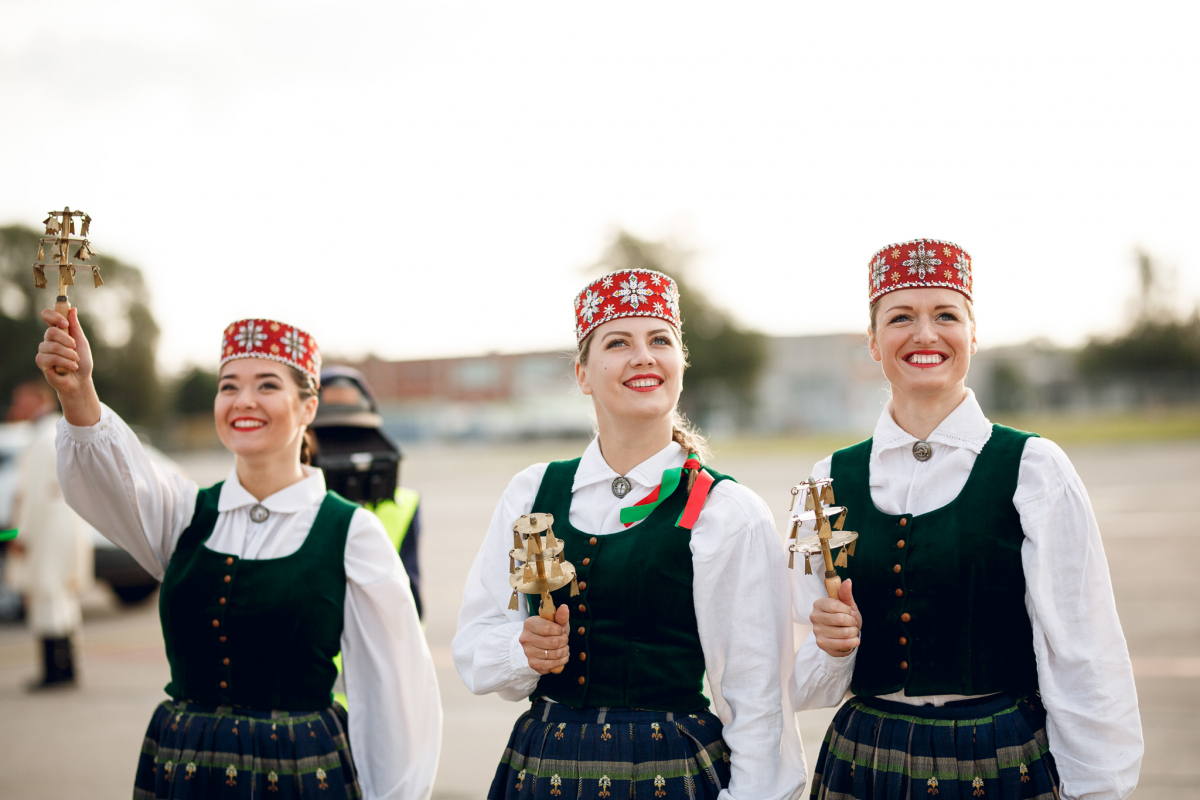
225 661
582 608
216 623
580 630
228 578
582 585
581 680
903 665
899 592
896 568
583 656
906 617
229 560
903 523
222 638
587 561
221 601
903 640
900 544
592 540
224 685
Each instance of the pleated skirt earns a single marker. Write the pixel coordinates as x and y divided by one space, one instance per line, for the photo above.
196 751
556 752
994 748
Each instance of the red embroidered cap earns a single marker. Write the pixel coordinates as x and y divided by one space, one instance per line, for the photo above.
921 262
626 293
278 341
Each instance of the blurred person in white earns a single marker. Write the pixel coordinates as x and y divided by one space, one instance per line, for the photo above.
975 625
680 576
266 576
51 562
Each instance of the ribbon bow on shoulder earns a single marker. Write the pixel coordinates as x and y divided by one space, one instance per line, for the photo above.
670 482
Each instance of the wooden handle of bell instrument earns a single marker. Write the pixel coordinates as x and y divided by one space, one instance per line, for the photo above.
62 306
547 612
833 584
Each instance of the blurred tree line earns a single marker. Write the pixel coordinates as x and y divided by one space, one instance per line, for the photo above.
116 317
724 358
1158 340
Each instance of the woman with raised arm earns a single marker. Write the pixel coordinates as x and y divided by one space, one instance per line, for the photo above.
266 576
975 625
680 575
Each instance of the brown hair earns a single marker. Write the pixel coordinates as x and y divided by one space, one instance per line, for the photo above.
307 386
683 432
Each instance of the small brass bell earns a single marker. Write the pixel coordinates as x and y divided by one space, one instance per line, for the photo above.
51 223
96 279
87 222
39 277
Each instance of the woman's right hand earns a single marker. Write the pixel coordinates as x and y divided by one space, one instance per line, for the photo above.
837 623
545 641
65 346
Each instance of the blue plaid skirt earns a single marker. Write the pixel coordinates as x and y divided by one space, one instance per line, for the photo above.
994 747
196 751
556 752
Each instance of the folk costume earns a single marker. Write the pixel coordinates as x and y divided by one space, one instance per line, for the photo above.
257 598
674 586
992 662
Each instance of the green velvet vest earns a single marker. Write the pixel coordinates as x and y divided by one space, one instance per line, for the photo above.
942 595
633 636
256 633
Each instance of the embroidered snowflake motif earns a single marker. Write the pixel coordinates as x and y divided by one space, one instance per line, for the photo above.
658 308
607 282
946 252
294 345
879 268
656 280
978 785
555 784
919 262
634 292
250 336
963 265
660 784
609 310
589 306
604 784
671 296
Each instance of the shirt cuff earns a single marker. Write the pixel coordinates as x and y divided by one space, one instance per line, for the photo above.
518 662
838 667
104 428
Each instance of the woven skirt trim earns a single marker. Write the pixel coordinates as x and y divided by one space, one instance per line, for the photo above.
586 753
995 748
196 751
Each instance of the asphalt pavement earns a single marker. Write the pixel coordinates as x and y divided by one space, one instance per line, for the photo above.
84 742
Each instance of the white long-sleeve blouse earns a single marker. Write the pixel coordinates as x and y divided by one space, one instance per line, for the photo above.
741 597
1084 672
391 685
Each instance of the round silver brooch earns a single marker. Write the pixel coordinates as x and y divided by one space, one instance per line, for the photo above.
259 513
621 486
922 451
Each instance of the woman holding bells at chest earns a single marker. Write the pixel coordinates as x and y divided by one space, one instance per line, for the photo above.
266 576
975 624
680 573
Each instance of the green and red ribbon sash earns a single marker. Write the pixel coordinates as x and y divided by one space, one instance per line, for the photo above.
670 482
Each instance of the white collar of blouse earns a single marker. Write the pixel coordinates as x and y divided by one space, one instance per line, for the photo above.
297 497
648 474
965 426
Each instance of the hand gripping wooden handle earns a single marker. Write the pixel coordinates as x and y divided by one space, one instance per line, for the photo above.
62 306
833 584
547 612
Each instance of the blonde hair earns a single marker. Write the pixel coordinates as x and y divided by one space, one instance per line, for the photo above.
683 432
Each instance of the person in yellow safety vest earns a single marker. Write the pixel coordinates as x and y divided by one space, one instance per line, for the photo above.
362 463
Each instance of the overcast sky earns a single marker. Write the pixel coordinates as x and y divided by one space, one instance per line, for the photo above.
432 179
